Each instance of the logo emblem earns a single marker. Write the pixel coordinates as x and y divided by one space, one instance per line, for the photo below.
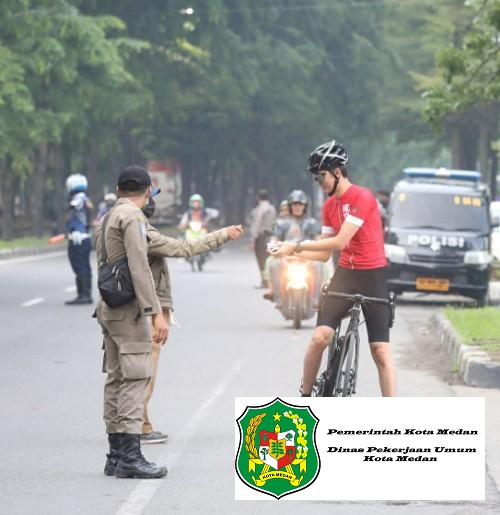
277 453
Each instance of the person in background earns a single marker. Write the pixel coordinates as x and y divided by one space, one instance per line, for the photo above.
159 248
77 231
104 207
197 212
263 216
284 212
296 227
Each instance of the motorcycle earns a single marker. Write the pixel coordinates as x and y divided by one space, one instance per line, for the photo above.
297 301
195 231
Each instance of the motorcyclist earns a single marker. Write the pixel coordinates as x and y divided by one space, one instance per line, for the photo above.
105 206
197 212
77 231
296 227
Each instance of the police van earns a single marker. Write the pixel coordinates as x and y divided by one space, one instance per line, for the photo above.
437 237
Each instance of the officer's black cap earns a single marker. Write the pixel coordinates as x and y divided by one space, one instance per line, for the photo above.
133 178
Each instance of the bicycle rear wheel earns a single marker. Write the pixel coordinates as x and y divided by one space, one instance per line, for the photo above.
325 382
345 383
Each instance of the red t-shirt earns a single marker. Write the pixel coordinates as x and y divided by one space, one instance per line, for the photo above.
357 206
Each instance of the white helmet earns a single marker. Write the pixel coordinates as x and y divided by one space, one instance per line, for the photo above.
76 183
110 198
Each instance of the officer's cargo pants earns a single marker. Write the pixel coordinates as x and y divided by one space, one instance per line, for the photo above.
128 345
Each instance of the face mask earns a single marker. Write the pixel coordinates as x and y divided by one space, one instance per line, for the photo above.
149 209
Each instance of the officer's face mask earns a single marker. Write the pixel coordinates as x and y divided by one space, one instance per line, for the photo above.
149 208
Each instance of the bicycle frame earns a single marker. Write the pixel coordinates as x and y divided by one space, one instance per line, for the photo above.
340 376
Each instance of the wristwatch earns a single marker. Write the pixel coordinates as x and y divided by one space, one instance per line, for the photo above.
298 247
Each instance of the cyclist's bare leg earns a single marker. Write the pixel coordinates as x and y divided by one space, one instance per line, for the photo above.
320 340
381 353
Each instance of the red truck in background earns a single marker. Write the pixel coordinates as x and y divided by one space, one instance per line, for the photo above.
167 175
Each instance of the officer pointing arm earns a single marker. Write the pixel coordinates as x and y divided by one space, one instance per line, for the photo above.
127 330
165 246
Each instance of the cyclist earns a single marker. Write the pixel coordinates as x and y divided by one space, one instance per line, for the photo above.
351 225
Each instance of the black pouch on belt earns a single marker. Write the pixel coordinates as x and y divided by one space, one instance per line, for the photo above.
114 281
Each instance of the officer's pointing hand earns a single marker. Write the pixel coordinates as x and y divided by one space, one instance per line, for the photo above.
235 231
160 328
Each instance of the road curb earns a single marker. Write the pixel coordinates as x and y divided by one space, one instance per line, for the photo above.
28 251
474 365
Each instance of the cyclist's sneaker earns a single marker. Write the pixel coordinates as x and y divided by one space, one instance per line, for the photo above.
154 437
268 296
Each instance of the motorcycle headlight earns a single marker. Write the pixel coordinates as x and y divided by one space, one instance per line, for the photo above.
297 275
477 257
395 253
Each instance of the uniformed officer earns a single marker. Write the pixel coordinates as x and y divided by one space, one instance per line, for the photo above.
77 232
160 247
129 330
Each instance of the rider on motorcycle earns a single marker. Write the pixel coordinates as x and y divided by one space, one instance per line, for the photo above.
296 227
197 212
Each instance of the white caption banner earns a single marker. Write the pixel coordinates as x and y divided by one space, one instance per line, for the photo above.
403 448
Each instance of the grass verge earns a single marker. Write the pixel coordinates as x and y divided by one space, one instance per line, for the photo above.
24 242
477 326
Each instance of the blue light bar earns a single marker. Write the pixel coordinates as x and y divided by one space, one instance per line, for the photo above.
442 173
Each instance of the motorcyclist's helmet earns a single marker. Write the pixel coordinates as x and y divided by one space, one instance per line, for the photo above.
76 183
327 156
110 199
196 197
298 197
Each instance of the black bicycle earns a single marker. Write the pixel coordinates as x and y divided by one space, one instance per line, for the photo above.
338 379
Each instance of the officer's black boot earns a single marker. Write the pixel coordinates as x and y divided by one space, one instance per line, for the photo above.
79 292
114 454
86 290
83 290
132 463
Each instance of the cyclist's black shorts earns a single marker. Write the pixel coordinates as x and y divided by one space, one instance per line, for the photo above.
371 283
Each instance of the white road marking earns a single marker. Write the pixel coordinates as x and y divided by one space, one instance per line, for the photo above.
32 302
142 494
70 289
15 261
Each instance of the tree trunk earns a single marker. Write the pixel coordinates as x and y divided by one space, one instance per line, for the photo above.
464 142
488 126
91 163
61 164
7 201
37 189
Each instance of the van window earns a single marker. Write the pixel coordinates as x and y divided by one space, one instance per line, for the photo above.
413 210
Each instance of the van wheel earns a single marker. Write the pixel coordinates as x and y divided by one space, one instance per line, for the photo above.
483 300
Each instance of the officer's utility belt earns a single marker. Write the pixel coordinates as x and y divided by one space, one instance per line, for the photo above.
113 278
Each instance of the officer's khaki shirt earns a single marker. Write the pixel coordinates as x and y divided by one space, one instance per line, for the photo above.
161 278
161 246
165 246
125 235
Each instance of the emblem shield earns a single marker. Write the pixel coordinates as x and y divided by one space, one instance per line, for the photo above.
277 453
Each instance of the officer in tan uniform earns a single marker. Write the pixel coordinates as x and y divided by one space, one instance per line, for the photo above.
129 330
160 247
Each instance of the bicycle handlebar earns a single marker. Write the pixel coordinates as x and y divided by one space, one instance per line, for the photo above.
357 298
